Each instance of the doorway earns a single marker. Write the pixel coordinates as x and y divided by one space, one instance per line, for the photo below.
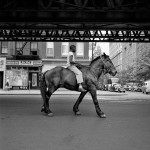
33 78
1 79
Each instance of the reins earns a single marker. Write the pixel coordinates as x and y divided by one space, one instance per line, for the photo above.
105 68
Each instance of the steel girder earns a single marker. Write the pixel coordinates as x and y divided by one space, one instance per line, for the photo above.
75 20
74 35
77 11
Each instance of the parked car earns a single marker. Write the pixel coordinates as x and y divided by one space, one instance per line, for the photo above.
126 87
146 87
119 88
130 88
137 88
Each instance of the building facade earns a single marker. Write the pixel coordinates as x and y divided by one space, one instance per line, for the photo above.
56 54
23 62
124 55
116 55
129 53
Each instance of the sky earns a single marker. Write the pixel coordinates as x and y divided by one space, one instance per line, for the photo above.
104 47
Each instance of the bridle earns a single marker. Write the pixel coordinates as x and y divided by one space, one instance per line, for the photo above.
105 66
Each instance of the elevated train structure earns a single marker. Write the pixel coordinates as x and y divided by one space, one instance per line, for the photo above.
75 20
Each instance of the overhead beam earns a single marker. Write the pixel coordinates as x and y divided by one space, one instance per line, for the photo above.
73 20
74 35
74 11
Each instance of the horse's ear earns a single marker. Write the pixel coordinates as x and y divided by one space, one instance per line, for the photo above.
104 54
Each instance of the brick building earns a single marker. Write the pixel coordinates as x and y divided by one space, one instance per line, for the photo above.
23 62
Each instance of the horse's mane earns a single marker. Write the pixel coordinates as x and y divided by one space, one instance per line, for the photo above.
94 59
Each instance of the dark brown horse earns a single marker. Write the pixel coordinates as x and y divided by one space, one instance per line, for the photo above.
63 77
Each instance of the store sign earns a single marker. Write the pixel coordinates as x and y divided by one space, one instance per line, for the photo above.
2 63
37 62
24 63
12 62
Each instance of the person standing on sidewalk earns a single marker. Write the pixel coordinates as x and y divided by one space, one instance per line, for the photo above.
71 64
7 83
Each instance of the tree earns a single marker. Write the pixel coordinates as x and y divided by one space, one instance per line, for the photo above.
127 75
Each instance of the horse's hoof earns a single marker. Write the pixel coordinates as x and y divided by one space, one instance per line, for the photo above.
78 113
102 116
42 109
50 114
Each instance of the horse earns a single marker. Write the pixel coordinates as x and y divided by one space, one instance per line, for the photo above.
63 77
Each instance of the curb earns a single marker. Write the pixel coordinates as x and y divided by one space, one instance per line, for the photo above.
63 93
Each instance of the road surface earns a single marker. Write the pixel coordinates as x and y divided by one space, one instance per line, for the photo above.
24 127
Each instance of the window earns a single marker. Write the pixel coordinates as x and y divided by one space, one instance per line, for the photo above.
64 48
80 49
19 46
34 48
4 47
50 49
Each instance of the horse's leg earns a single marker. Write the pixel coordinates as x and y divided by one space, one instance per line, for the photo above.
45 106
76 105
48 111
46 99
95 101
48 95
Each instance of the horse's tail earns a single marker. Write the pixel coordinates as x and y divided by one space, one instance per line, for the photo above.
43 88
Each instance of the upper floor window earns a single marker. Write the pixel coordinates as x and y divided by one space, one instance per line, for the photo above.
80 49
50 49
4 47
19 46
34 48
34 45
64 48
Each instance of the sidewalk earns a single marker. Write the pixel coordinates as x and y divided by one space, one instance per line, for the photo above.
60 91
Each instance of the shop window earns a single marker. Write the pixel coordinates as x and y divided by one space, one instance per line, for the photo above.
4 47
64 48
80 49
50 49
34 48
17 77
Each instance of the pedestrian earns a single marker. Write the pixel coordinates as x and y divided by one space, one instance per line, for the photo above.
7 83
71 64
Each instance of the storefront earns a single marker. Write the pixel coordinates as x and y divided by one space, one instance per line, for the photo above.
23 74
2 72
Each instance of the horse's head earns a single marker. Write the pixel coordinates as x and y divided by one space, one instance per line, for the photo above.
108 65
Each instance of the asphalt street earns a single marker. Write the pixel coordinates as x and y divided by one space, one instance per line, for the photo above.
24 127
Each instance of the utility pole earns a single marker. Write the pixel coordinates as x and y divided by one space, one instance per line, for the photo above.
93 47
